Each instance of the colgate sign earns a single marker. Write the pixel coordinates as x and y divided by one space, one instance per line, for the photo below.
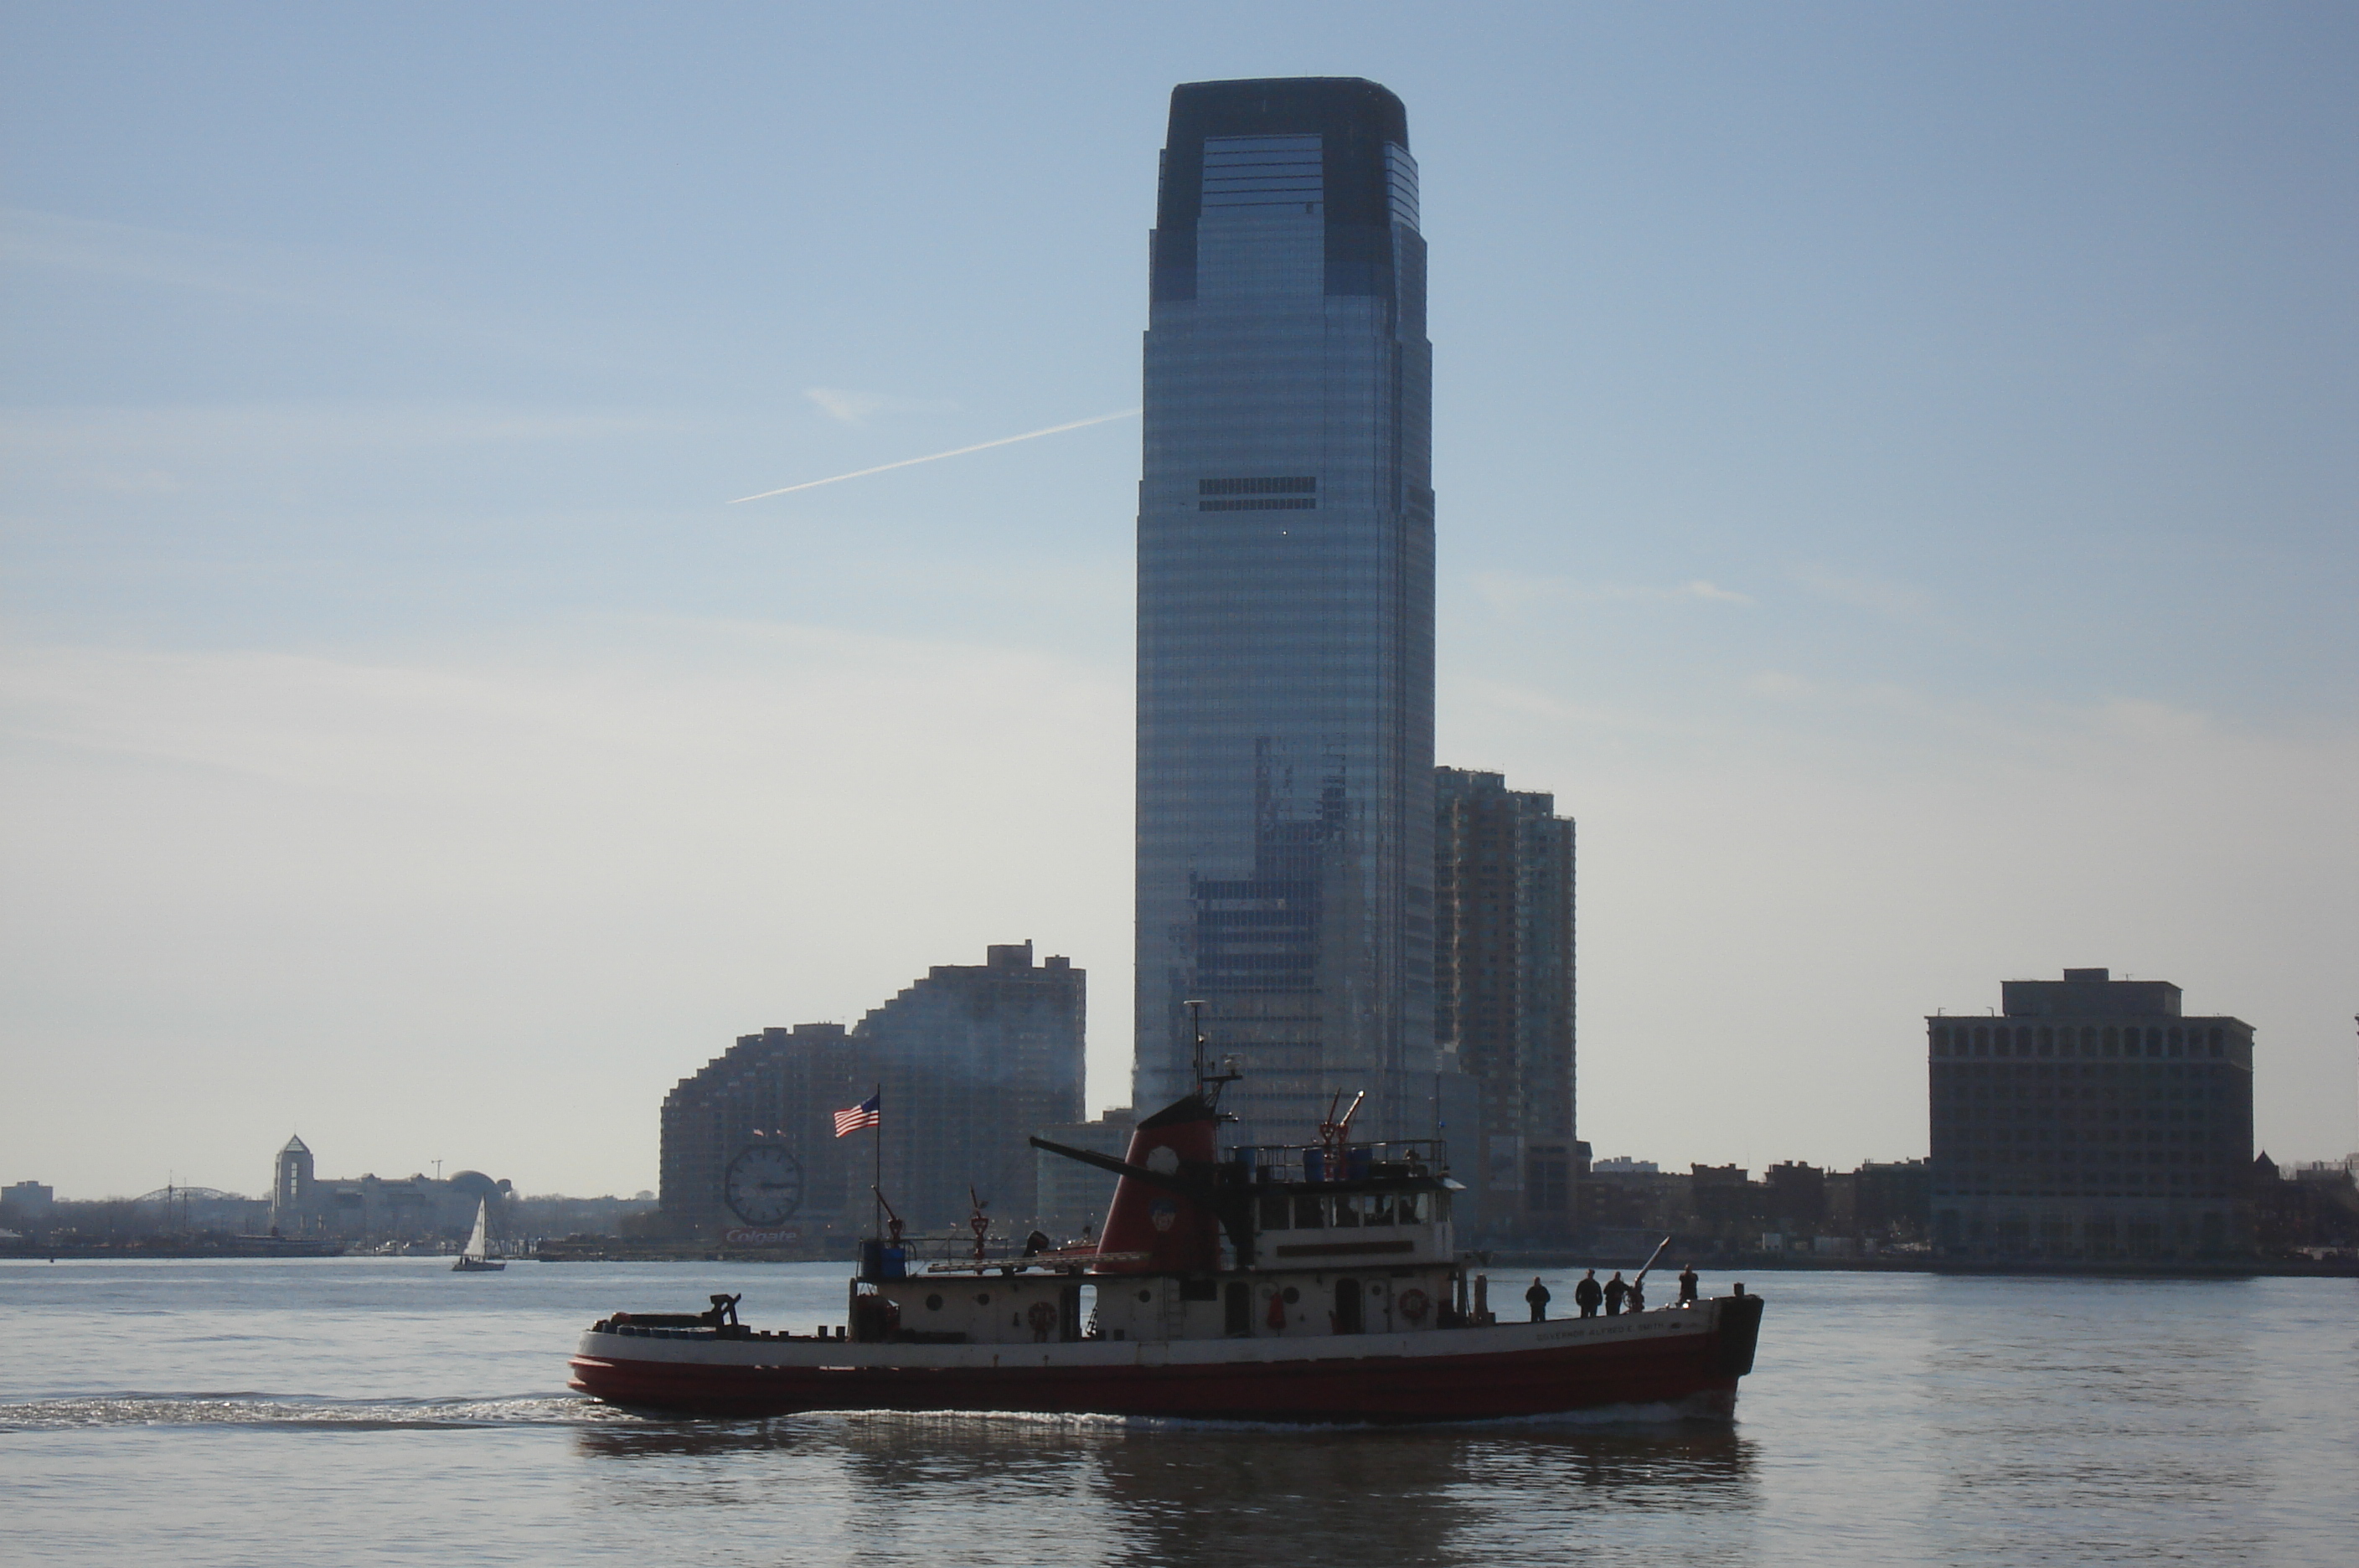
746 1236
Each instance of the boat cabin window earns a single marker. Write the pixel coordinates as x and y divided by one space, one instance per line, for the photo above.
1314 1211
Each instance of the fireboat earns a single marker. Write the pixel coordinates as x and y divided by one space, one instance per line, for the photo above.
1294 1283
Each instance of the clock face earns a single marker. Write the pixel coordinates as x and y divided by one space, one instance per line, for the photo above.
765 1185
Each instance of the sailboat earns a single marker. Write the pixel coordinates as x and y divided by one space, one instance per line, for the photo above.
470 1257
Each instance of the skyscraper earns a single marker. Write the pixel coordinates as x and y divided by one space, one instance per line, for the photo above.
1285 847
1504 988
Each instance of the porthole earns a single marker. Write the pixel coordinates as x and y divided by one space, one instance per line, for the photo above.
982 1298
934 1303
1146 1295
1289 1295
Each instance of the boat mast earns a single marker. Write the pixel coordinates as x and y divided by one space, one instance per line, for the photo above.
1208 1084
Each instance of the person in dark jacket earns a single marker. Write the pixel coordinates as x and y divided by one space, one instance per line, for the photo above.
1538 1297
1614 1290
1688 1285
1587 1294
1637 1301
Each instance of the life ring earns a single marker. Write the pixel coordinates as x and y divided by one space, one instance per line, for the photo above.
1042 1317
1411 1304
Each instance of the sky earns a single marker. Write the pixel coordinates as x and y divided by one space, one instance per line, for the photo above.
1895 471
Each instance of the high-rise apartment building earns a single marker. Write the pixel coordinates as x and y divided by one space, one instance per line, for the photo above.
1285 856
974 1058
2091 1121
970 1061
1503 988
773 1091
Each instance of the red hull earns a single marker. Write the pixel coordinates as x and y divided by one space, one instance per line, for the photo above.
1700 1371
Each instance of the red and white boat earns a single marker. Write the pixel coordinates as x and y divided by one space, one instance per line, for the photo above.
1306 1284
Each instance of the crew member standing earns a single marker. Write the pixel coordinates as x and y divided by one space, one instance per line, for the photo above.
1687 1286
1614 1290
1587 1294
1538 1297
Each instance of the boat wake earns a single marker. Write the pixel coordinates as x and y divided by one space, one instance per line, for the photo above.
243 1408
1698 1408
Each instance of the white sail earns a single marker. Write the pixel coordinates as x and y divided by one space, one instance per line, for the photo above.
475 1243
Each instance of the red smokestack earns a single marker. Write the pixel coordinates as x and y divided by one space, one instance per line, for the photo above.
1174 1232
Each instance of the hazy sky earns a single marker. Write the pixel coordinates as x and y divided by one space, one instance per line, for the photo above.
1896 472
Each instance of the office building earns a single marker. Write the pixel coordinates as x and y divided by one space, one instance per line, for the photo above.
1285 807
28 1199
1503 988
2090 1119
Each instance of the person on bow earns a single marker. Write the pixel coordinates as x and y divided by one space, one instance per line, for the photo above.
1538 1297
1588 1294
1615 1292
1687 1286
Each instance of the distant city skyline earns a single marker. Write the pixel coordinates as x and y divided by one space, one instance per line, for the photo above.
1897 495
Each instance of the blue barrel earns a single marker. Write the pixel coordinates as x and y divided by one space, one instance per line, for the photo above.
1356 1163
1314 1165
880 1260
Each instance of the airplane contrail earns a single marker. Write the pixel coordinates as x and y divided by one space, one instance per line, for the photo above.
934 457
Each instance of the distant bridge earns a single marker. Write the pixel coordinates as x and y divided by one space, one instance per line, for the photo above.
191 1195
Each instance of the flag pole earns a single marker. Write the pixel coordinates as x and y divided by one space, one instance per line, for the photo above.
878 1188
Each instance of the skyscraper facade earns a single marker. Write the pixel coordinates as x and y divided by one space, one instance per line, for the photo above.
1285 850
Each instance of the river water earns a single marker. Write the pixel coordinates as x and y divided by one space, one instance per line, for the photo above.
389 1410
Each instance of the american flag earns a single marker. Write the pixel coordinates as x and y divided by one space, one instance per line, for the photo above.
864 1115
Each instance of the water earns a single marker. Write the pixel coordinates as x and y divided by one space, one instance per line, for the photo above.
388 1410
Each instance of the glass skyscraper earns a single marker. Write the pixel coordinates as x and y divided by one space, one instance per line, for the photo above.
1286 858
